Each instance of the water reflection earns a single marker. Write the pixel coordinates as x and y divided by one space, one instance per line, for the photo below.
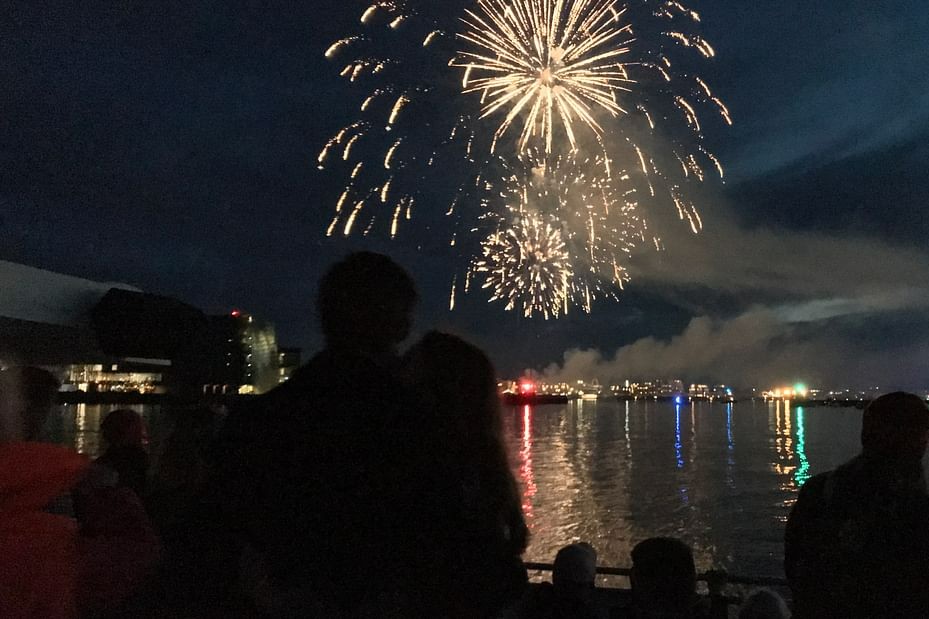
626 440
803 471
78 425
525 463
729 427
730 447
784 464
81 429
614 473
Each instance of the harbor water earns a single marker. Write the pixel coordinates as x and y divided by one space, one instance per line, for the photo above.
723 477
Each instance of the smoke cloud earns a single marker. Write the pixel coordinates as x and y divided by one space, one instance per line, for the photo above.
754 349
773 306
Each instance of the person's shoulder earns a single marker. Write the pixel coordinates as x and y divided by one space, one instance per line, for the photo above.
814 495
817 486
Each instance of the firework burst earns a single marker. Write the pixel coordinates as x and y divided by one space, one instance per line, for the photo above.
598 222
528 266
573 114
547 61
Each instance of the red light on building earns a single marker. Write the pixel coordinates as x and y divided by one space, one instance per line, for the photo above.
526 387
236 313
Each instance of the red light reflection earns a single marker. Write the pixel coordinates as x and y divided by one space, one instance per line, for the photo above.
525 462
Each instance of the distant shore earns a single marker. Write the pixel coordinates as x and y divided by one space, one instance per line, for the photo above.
509 399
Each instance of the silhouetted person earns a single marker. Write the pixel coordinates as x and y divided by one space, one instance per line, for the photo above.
571 593
664 580
857 540
125 436
471 515
574 578
185 461
190 583
328 481
764 604
38 397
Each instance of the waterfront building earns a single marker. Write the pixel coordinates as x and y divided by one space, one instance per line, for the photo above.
699 392
142 376
288 360
96 337
244 355
659 388
45 317
113 338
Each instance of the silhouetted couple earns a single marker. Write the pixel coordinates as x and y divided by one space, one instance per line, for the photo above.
373 484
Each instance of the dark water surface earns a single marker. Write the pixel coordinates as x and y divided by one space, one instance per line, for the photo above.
722 477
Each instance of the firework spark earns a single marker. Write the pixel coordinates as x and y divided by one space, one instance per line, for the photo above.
528 266
597 224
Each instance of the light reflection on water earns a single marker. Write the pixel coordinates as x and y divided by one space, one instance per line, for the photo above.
723 477
78 425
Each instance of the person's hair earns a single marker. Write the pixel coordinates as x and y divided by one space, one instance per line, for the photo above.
460 376
365 299
895 425
663 568
462 384
575 564
37 391
764 604
123 428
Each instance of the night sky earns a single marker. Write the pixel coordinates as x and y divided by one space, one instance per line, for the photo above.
172 145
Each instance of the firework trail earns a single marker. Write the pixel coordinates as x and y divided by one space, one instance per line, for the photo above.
499 106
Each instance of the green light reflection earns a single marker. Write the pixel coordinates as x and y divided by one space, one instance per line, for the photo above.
802 472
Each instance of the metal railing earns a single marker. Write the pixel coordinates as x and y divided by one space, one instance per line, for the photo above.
711 577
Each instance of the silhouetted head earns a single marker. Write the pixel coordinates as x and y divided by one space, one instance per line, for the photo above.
575 571
365 302
123 428
663 573
764 604
458 377
30 395
896 427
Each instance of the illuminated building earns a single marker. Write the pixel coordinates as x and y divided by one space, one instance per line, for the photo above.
244 355
288 360
699 392
141 376
663 389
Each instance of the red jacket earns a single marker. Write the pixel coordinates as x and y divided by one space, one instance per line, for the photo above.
39 556
49 567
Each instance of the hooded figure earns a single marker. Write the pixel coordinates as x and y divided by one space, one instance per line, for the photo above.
51 565
39 562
